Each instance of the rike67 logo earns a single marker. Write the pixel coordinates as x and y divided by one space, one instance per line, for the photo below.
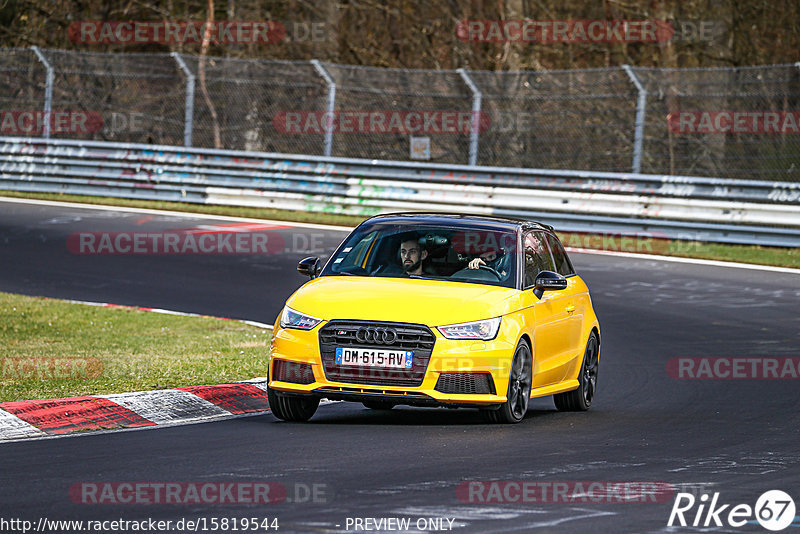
774 510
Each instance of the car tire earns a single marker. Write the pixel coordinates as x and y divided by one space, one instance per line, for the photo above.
519 389
291 408
579 400
378 405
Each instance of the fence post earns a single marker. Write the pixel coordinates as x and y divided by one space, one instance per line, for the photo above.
48 91
638 137
331 103
477 97
188 114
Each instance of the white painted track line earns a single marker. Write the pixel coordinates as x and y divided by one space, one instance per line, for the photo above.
184 214
653 257
678 259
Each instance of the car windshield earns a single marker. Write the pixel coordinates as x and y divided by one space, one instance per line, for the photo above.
476 254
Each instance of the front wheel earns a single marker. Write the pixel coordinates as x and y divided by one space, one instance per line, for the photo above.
579 400
291 408
519 389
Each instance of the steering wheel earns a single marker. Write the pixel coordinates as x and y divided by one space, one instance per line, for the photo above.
491 270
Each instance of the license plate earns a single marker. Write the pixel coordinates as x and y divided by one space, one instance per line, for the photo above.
392 359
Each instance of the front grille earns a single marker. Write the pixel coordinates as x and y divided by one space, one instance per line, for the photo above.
417 338
468 383
294 372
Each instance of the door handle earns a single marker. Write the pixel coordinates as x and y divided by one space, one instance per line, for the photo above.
570 309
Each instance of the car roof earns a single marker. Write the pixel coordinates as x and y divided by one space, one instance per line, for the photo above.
457 219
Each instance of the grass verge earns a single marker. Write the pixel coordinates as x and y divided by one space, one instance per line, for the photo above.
54 349
782 257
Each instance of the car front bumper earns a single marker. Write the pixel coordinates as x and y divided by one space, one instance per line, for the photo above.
448 357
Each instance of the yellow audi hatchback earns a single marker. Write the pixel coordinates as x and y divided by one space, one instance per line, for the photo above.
438 310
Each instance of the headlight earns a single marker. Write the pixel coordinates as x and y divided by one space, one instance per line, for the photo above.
294 319
485 330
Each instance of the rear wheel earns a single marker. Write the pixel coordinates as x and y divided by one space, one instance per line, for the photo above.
291 408
378 405
519 389
579 400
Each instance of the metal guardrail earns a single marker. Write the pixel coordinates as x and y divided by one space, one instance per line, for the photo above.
674 207
733 122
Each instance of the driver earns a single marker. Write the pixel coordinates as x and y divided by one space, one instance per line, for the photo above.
490 258
411 256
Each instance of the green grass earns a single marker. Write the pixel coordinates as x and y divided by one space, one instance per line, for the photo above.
53 349
783 257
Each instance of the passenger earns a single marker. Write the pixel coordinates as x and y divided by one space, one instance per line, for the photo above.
490 258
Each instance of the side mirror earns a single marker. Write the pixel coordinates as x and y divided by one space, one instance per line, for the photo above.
309 267
548 281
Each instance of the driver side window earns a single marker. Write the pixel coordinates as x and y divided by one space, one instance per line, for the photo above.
536 256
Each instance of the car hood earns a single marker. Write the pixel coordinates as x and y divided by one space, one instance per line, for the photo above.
430 302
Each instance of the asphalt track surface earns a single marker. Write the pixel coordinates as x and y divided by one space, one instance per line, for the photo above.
736 437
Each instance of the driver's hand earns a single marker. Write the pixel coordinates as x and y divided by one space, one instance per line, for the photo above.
476 263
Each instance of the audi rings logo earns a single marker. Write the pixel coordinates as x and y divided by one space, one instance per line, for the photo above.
378 336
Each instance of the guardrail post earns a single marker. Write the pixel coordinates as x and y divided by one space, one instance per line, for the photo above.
477 97
638 137
188 117
48 91
331 103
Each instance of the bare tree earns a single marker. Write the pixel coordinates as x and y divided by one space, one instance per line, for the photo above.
201 71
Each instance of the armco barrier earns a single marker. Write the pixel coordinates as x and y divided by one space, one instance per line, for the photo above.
675 207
